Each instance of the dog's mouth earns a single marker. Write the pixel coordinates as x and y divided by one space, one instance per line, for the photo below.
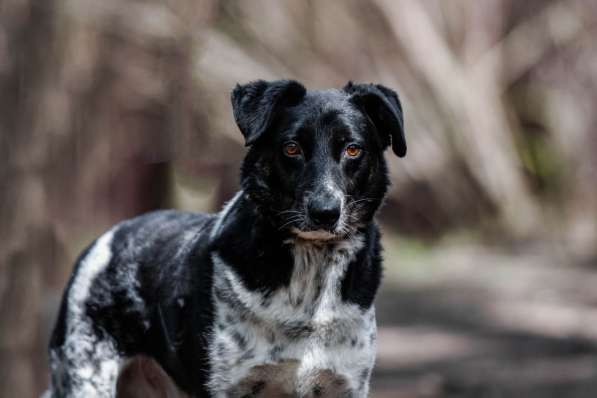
303 227
315 235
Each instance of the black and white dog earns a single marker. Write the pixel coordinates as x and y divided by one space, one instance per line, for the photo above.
272 296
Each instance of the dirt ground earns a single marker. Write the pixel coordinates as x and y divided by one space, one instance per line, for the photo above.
475 322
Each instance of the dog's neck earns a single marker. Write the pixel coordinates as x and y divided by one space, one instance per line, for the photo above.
251 243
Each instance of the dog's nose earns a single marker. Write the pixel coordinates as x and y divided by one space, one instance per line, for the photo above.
324 213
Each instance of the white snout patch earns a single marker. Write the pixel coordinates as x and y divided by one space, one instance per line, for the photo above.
333 189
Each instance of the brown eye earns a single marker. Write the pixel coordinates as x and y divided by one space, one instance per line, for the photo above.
292 149
353 151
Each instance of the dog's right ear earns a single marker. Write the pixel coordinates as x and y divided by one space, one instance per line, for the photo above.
255 104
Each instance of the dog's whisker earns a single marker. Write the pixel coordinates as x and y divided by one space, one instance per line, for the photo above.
291 221
288 212
354 202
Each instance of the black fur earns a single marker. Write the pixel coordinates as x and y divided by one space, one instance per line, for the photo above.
383 107
172 251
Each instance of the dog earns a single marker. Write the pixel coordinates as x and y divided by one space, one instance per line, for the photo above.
270 297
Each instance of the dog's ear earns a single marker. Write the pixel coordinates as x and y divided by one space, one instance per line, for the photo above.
383 107
255 104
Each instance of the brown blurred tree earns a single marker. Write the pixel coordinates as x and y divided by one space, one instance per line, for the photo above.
27 239
91 106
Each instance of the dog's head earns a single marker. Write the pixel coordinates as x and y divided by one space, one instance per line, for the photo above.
315 165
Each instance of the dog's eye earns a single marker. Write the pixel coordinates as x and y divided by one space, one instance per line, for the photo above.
353 150
292 149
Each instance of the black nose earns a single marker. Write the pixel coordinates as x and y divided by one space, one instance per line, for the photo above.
324 213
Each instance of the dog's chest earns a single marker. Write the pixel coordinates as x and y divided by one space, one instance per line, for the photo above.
300 340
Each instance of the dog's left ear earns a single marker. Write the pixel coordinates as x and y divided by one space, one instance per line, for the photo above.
383 107
255 104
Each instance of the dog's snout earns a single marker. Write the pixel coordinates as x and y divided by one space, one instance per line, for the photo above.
324 212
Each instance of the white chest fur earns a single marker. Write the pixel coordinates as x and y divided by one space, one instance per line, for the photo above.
301 340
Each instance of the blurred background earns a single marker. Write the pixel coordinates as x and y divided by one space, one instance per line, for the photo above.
112 108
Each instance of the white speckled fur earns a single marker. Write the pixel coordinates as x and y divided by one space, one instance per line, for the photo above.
338 337
92 362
